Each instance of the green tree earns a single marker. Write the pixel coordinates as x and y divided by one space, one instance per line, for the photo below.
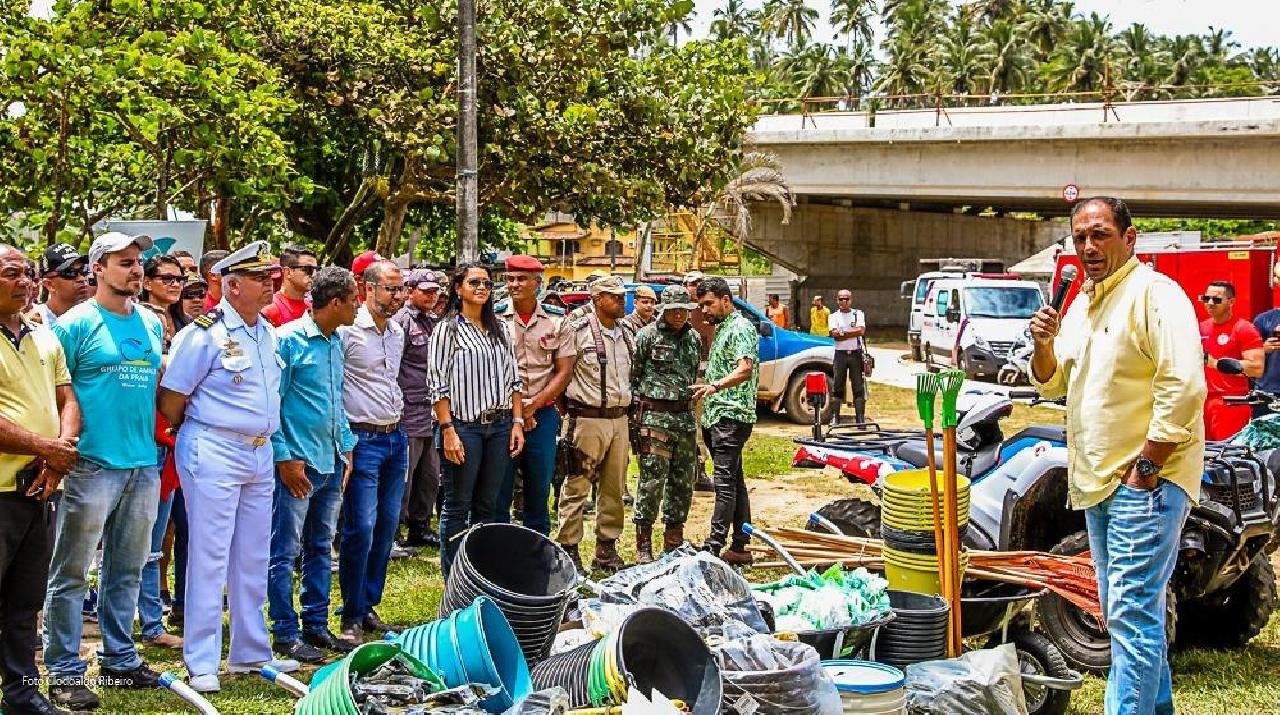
909 46
1080 62
792 20
963 58
855 72
1010 58
1045 22
733 21
852 18
1185 56
1144 59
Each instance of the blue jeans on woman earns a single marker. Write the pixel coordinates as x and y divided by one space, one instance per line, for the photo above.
150 606
471 488
1133 537
370 518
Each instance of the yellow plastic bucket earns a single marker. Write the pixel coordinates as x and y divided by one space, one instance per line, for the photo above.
916 572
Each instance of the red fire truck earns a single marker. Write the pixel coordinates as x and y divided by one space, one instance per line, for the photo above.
1194 266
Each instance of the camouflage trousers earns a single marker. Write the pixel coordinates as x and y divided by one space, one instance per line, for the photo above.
668 458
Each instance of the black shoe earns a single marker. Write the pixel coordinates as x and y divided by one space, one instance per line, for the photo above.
70 692
175 618
328 641
299 651
419 538
373 624
140 678
37 705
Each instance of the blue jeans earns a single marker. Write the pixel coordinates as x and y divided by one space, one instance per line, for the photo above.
302 526
118 507
471 488
537 464
150 607
370 518
1134 536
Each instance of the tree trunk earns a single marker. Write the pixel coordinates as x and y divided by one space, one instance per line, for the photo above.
220 224
393 216
335 244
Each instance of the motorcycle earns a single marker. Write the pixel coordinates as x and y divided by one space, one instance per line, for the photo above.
1224 583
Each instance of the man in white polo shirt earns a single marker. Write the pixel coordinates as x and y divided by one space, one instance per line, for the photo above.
847 327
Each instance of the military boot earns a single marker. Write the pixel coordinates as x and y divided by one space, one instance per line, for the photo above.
574 556
607 558
672 537
644 544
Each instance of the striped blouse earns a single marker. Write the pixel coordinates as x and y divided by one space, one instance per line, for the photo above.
465 366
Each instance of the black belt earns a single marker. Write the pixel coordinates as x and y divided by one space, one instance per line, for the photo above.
376 429
488 417
665 405
601 413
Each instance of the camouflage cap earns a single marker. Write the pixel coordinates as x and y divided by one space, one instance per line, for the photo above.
611 284
676 298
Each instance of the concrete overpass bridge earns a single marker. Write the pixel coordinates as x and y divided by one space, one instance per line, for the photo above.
879 191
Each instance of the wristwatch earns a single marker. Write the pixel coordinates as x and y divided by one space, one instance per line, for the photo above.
518 420
1146 468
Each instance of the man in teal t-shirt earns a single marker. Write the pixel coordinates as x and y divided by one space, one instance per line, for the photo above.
113 352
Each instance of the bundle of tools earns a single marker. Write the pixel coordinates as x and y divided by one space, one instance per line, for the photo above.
1071 577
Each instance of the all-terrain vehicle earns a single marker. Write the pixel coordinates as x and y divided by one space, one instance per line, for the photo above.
1224 585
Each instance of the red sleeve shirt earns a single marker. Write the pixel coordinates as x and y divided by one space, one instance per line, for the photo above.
1228 340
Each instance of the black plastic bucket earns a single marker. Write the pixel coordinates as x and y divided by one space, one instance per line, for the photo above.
918 631
654 650
528 576
842 643
916 542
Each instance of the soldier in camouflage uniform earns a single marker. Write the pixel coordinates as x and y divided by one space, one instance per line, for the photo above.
665 366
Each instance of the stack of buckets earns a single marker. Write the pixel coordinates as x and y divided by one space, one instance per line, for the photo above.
906 525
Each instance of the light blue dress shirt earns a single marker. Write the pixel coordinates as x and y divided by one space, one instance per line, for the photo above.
313 424
230 372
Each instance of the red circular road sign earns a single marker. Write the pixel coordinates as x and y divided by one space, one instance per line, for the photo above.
1070 193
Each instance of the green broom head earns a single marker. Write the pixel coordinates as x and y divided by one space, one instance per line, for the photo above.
949 384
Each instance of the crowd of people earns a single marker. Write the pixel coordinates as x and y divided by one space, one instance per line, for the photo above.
169 404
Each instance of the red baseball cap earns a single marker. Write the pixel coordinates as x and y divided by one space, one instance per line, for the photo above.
363 261
525 263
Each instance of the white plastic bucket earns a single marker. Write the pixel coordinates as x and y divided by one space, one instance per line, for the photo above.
868 688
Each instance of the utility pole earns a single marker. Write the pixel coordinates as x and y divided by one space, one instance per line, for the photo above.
468 181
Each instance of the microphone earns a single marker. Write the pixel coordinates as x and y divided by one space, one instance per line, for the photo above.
1065 279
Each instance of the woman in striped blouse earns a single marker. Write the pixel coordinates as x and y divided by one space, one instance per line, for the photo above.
475 386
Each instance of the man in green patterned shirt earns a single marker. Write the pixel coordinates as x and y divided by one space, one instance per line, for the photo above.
728 414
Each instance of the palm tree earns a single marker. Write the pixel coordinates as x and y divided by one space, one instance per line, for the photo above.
790 19
759 179
1080 62
677 23
732 21
813 71
1144 61
1186 55
1045 22
1010 59
1218 46
962 62
914 26
852 18
1265 64
856 70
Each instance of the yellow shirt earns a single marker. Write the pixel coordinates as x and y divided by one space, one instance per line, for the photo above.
1132 369
818 321
27 397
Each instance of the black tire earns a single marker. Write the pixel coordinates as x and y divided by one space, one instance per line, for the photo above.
853 517
1038 656
1234 616
797 405
1084 643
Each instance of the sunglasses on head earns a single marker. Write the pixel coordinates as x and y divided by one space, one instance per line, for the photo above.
1215 299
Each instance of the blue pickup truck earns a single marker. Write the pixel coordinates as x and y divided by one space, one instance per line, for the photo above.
785 357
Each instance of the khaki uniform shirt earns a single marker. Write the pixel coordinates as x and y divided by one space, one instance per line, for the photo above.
584 387
538 345
1132 369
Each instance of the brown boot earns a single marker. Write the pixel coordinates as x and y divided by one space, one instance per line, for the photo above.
672 537
644 544
607 558
574 556
737 556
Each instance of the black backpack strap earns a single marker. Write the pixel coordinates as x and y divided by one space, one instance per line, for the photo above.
597 337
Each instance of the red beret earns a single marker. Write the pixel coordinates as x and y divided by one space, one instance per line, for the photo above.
363 261
525 263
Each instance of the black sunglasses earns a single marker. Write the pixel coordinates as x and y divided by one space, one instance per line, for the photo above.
72 273
1215 299
192 294
477 283
309 270
169 279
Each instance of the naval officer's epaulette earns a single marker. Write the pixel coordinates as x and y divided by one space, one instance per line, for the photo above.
208 319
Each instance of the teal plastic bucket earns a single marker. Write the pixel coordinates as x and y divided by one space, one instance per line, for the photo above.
474 645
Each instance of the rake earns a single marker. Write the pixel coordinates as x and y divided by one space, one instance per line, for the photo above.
950 384
926 393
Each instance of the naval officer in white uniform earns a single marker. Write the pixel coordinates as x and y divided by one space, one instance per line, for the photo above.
223 388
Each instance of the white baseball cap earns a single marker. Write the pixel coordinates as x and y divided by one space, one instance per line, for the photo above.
116 241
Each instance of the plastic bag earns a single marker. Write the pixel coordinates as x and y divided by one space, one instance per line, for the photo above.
981 682
552 701
765 675
701 589
832 599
